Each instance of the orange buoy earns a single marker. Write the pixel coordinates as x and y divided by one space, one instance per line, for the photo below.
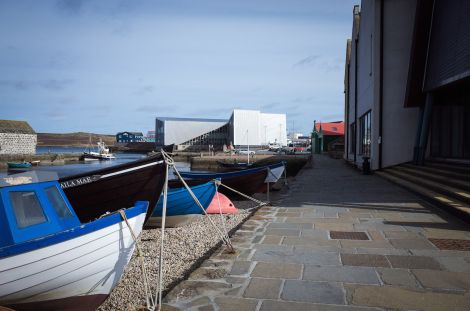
226 205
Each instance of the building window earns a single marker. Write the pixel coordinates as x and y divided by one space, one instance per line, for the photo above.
352 138
365 134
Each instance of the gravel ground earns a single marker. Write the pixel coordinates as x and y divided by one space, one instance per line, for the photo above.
184 246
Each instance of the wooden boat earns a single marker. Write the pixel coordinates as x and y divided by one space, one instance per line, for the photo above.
109 189
248 181
181 207
49 260
23 164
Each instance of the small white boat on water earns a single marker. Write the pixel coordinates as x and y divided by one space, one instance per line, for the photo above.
49 260
102 154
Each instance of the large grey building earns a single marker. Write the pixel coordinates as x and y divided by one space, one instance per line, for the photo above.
186 132
244 127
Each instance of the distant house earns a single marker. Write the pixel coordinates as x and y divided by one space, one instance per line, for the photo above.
17 137
129 137
325 133
150 137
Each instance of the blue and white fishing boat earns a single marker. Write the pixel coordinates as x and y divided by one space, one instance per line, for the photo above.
181 207
247 181
49 260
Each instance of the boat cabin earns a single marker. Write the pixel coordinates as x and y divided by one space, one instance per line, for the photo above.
33 205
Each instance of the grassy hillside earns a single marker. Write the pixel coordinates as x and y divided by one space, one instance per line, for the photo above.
79 139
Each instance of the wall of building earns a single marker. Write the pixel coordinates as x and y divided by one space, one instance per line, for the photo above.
179 131
255 128
11 143
399 123
273 129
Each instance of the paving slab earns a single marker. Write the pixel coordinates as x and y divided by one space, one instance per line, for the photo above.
367 260
235 304
412 243
277 270
301 256
347 274
405 299
413 262
283 232
275 305
443 279
315 292
271 239
398 277
263 288
241 267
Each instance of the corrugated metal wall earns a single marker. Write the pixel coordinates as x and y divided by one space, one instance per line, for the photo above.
178 132
449 49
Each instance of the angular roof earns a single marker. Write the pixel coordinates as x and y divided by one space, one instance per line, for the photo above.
330 128
191 119
17 127
133 133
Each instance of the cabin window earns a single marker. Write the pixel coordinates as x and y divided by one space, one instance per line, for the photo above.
58 202
28 211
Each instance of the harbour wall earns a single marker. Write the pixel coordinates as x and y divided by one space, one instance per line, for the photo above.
46 159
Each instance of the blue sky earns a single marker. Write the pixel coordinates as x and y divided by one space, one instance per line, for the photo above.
108 66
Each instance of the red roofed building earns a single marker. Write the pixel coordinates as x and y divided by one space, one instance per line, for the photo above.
325 133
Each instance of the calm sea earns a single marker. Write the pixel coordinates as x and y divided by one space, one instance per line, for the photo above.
75 168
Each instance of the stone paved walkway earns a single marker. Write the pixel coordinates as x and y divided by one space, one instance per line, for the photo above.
337 240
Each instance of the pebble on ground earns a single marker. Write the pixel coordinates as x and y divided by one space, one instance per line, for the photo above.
183 246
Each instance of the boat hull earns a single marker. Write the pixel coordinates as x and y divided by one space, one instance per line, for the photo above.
180 203
77 273
95 193
18 165
247 181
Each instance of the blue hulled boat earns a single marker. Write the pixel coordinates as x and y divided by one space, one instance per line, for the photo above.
49 260
247 181
19 164
181 207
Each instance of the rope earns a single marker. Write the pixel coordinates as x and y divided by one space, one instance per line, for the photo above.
220 211
241 194
158 295
227 241
148 298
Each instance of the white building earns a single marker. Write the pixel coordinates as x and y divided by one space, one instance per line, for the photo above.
254 128
244 127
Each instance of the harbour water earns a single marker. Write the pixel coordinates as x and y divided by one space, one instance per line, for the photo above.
81 166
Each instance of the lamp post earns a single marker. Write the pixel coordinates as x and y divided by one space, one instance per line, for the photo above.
265 139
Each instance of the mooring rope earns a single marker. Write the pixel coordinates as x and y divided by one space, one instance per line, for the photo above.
241 194
222 218
227 241
159 290
148 298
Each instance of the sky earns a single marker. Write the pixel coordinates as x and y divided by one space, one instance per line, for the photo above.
108 66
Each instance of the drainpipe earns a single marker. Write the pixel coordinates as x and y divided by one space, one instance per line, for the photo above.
356 40
381 82
346 140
